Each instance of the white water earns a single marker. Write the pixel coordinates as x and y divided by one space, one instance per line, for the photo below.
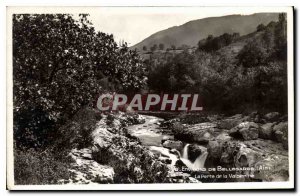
185 152
198 163
165 152
148 137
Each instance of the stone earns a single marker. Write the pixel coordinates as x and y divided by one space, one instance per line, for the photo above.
198 133
247 157
194 151
281 133
245 130
230 122
87 171
272 168
214 149
171 144
266 131
223 137
272 116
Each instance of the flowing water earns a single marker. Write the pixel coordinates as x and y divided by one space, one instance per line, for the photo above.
151 136
198 163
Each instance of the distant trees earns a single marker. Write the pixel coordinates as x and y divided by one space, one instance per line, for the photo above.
145 48
253 79
253 54
214 43
260 27
281 37
153 48
161 46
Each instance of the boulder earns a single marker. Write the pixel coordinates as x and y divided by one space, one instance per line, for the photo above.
245 130
171 144
272 116
272 168
169 123
281 133
214 149
87 171
269 159
246 157
179 164
229 123
266 131
229 150
194 151
223 136
198 133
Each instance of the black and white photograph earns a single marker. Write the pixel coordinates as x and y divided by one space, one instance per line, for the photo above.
150 98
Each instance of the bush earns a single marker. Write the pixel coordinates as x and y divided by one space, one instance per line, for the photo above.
59 66
33 167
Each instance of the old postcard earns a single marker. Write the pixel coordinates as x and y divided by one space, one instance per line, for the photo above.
150 98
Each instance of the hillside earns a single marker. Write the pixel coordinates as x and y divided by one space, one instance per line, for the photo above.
191 32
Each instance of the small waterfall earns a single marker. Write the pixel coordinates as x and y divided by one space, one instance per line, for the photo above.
198 163
185 152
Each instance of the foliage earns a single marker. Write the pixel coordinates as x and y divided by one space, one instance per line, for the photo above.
60 65
39 167
249 74
214 43
138 166
153 48
161 46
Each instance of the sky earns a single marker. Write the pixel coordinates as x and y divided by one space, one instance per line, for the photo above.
133 24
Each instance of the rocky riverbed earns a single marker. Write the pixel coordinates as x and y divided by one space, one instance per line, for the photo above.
132 148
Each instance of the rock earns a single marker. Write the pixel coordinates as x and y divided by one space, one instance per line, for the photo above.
140 119
229 150
272 116
194 151
245 130
179 164
253 114
229 123
87 171
102 137
175 152
269 159
84 153
223 137
247 157
198 133
281 133
272 168
171 144
169 123
266 131
214 149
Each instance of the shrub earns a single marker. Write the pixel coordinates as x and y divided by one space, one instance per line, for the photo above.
59 65
33 167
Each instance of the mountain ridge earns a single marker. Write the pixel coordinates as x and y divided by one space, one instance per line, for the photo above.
193 31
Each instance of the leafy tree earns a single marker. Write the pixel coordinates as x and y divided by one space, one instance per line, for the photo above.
260 27
215 43
153 48
281 37
161 46
253 54
58 66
